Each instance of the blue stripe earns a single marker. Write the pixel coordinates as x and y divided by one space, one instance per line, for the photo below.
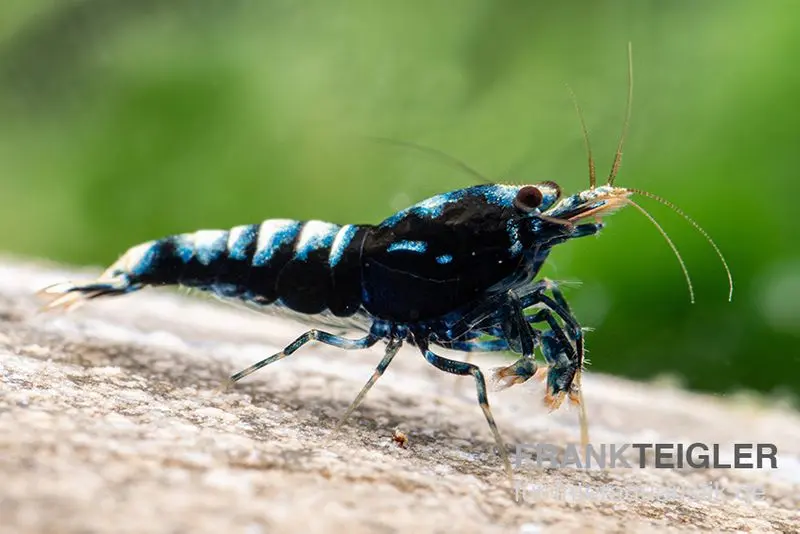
314 236
209 244
444 259
410 246
284 232
145 263
501 195
238 250
512 227
427 209
340 243
184 248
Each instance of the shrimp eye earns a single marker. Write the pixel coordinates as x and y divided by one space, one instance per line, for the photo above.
528 198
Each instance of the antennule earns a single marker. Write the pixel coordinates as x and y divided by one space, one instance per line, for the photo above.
618 157
669 242
592 172
697 227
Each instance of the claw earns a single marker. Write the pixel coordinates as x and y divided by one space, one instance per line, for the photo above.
541 373
517 373
553 402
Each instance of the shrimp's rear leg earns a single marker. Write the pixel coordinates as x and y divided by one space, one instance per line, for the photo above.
391 350
312 335
463 369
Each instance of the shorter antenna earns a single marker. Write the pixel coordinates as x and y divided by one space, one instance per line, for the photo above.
618 157
592 172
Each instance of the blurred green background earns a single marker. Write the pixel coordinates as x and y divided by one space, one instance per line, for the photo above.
122 121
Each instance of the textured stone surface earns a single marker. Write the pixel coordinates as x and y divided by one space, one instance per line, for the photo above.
110 420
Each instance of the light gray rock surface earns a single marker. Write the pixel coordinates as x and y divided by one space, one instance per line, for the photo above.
111 421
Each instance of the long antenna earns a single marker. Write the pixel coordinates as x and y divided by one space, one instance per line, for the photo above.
451 160
592 172
697 227
670 243
618 158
